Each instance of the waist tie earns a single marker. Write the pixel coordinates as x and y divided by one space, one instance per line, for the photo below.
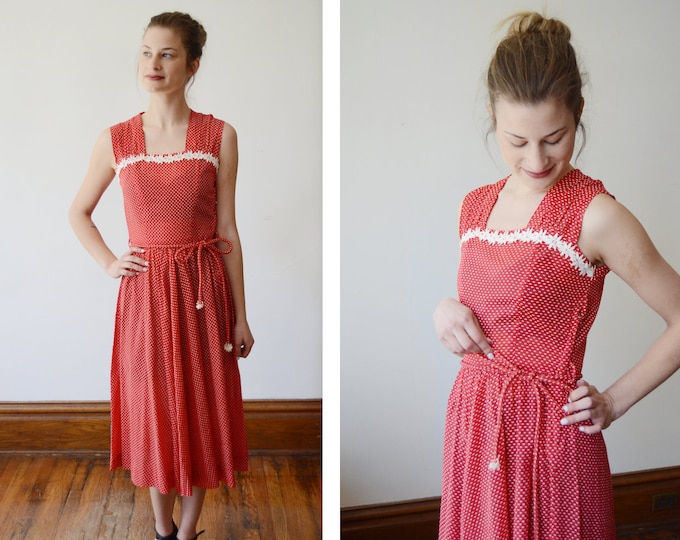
540 384
184 251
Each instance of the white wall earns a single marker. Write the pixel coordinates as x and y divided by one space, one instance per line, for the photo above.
69 72
412 144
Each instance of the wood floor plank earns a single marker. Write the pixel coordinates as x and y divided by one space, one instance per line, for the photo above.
49 494
276 502
18 493
78 498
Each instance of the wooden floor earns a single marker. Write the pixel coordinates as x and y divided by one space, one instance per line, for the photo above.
78 498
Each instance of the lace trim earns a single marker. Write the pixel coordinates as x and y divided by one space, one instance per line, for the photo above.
167 158
553 241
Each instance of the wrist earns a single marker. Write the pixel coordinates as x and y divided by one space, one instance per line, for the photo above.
613 412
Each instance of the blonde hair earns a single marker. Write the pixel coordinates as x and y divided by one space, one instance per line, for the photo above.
535 62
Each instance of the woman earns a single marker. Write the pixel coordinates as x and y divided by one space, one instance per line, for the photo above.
176 408
524 456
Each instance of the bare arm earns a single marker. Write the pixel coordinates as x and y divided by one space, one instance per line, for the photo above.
458 329
100 173
226 228
613 236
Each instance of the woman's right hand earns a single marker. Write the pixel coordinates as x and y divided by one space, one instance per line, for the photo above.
459 330
128 264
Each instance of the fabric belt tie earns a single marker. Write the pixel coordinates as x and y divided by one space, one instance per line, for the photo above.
184 251
540 384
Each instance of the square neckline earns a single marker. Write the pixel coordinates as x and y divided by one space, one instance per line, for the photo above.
537 213
165 154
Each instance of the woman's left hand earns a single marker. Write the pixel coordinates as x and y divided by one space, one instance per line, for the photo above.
243 339
587 403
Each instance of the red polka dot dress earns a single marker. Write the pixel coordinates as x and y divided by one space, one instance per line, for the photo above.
176 408
511 470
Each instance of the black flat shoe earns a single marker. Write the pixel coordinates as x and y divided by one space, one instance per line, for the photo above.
172 536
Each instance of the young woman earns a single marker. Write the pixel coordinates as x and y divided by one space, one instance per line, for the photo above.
524 456
176 408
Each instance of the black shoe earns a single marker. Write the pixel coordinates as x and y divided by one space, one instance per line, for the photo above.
172 536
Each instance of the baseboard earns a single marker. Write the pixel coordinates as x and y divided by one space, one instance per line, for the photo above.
406 520
643 500
273 427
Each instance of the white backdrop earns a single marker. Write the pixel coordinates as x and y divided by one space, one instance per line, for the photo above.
412 144
69 72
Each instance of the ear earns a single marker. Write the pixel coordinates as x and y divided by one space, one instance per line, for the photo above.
193 68
492 114
580 111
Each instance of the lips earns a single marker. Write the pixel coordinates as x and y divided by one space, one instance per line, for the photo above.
154 77
538 175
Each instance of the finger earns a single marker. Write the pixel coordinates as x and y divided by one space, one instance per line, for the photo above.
452 344
582 404
590 429
481 341
579 393
575 418
465 342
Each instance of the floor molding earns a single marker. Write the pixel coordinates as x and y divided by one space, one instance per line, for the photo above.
642 500
274 427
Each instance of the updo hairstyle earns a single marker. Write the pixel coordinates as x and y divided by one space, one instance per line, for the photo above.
191 32
535 62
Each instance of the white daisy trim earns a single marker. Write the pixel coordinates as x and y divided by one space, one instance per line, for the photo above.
166 158
553 241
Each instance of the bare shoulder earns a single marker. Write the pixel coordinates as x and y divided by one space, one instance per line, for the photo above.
102 154
228 130
608 229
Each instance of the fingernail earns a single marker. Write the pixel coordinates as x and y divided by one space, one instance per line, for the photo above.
563 421
565 408
490 356
581 429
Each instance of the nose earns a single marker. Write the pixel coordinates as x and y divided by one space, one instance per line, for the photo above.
154 62
536 159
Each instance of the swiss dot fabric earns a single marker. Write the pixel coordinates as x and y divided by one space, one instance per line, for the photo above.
176 407
511 471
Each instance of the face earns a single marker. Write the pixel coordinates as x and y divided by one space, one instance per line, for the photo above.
536 141
163 61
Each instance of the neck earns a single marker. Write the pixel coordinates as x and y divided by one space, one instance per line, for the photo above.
167 111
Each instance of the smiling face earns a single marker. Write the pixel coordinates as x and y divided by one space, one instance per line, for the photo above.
163 63
535 140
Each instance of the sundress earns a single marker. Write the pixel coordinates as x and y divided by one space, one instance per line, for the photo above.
176 407
511 470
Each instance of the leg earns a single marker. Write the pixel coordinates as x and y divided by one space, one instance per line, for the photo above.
162 510
191 510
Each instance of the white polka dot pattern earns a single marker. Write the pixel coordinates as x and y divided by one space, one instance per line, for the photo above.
511 471
176 408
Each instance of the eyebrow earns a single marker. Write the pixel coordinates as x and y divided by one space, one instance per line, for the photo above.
163 49
548 135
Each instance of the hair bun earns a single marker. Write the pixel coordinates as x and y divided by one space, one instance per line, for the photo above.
534 23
